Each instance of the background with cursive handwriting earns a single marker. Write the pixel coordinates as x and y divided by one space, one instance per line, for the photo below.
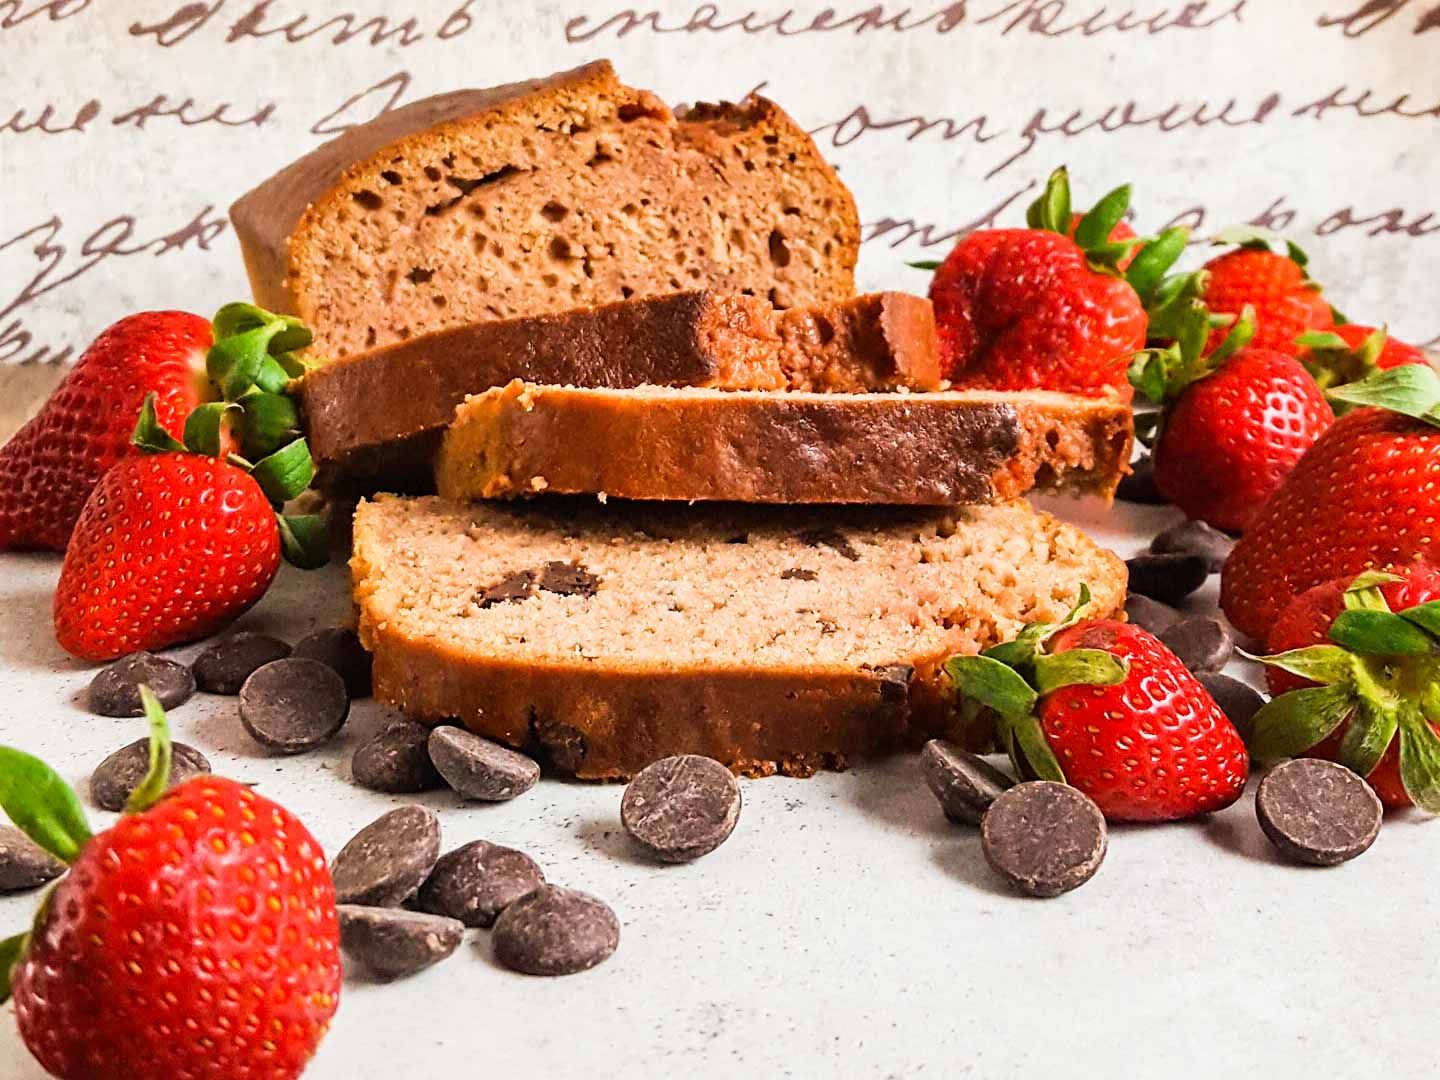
127 127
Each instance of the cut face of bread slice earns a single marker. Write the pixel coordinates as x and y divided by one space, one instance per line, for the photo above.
934 449
541 196
768 638
374 420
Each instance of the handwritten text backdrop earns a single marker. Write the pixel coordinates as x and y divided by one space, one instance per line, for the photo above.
128 126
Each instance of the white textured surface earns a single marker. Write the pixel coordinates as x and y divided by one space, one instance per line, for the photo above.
845 929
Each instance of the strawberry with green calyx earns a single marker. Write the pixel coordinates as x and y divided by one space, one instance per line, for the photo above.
1274 283
1103 705
198 937
1371 691
1353 353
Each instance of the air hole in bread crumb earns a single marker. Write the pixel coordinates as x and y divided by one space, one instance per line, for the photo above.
627 113
553 211
1052 440
825 328
560 248
600 157
549 280
439 301
773 295
390 176
432 174
792 210
629 209
772 138
626 292
779 253
368 199
419 275
749 165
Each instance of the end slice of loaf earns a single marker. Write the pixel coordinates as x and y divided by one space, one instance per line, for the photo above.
935 449
540 196
374 419
605 638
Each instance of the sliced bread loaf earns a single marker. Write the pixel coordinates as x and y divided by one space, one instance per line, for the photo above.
688 444
373 420
605 638
540 196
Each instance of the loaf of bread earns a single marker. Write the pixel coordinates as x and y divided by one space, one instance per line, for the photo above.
374 420
688 444
606 637
541 196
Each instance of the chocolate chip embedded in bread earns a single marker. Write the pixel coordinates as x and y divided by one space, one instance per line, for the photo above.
479 768
518 586
115 690
568 579
894 681
397 760
294 705
115 778
1167 578
555 931
832 539
1317 812
475 883
1043 838
680 808
388 860
1202 644
964 783
797 573
24 864
340 648
392 942
224 666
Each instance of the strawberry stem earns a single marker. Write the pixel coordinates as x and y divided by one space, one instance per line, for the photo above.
157 777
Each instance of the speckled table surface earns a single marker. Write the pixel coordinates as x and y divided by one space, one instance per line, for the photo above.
846 929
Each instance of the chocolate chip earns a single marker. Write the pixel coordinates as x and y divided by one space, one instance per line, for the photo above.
966 784
1043 838
479 768
1150 614
680 808
340 648
1317 812
1167 578
476 882
1202 644
1195 538
24 864
294 705
1139 485
397 761
115 691
392 942
832 539
120 774
568 579
895 683
520 586
1237 701
225 665
555 931
386 862
797 573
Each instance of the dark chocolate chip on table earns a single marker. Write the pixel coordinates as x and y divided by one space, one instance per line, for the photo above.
476 882
115 690
680 808
1167 578
1044 838
964 783
1202 644
294 705
1237 700
120 774
24 864
1317 812
480 768
393 942
1195 538
1150 614
224 666
1138 486
397 760
555 931
387 861
340 648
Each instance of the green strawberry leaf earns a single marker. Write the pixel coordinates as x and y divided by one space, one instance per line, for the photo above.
12 951
272 378
988 681
1149 371
1242 332
304 540
1364 592
289 335
1380 633
285 473
1420 761
157 777
925 264
1052 210
271 421
1021 652
1411 390
149 435
42 805
1292 723
233 363
1097 225
1328 664
1367 737
203 427
1426 616
1030 750
1079 667
1321 339
1148 270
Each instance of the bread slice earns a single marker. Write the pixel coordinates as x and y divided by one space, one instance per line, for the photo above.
605 638
662 443
540 196
374 420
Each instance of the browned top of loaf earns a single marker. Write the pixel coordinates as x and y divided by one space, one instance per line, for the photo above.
934 449
541 196
874 342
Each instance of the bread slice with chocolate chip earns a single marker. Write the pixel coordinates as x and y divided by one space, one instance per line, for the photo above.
541 196
607 637
689 444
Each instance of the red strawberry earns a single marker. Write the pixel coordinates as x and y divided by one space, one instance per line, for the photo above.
1021 309
1352 353
196 938
1233 424
1287 303
1103 705
1363 497
1355 674
49 467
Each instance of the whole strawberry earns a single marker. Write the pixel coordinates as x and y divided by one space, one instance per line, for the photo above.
176 543
196 938
1233 422
1021 309
1365 496
1355 670
1286 302
1103 705
1352 353
49 467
